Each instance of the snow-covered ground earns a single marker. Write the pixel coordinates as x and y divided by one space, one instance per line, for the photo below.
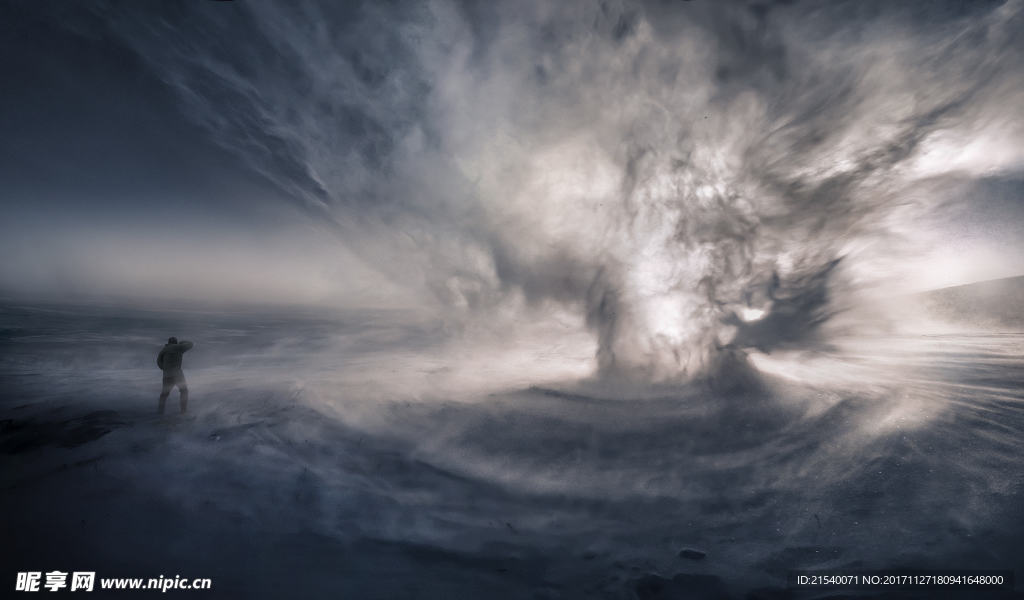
368 455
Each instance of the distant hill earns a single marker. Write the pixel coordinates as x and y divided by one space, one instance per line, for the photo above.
994 304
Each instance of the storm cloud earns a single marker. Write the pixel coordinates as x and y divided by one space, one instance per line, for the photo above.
687 178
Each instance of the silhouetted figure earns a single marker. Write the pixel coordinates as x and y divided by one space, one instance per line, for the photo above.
169 361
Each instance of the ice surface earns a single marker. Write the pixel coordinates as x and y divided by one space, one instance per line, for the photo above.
365 455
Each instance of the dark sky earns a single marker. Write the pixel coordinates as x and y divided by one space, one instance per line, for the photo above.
657 161
110 189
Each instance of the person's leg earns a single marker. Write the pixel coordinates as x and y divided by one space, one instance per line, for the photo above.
183 393
164 392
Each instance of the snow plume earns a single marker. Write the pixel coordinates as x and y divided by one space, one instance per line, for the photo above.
689 178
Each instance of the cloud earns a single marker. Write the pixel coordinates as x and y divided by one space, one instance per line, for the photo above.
657 167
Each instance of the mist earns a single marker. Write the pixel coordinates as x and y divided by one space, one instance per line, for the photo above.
657 169
514 299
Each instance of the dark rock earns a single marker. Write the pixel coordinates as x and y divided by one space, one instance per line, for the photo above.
652 586
771 593
798 557
83 434
102 415
692 554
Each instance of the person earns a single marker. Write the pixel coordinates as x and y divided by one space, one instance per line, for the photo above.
169 361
